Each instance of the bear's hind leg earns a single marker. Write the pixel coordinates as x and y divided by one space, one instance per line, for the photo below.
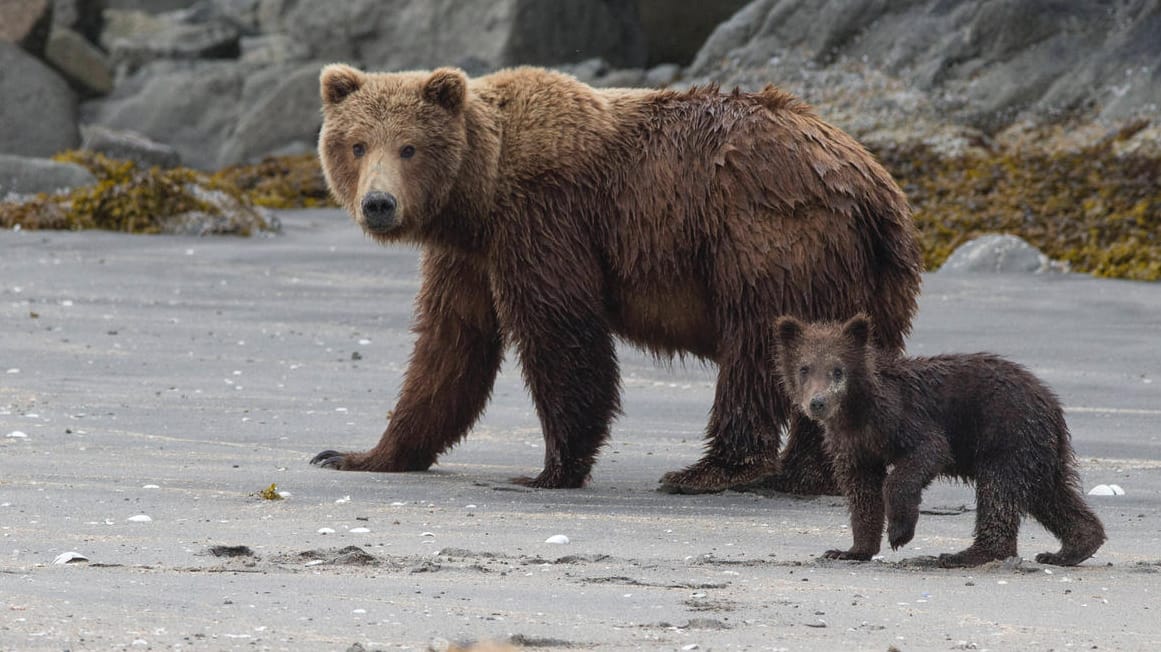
806 469
748 412
1065 514
997 523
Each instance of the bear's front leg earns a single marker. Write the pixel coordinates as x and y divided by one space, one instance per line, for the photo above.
903 489
569 361
863 486
449 379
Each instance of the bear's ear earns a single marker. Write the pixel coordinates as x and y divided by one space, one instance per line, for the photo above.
789 331
447 87
858 330
339 80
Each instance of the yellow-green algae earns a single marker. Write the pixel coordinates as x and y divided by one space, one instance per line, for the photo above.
1095 209
1091 206
279 182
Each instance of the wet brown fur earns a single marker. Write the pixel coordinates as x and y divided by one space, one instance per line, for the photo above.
554 217
973 417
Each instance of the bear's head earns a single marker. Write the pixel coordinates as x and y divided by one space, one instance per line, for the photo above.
392 145
820 363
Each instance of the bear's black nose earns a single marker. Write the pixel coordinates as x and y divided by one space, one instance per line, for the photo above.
817 405
379 210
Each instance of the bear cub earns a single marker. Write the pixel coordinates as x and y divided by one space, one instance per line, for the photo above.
894 423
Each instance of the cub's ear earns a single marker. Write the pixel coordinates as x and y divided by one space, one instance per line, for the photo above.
858 330
789 331
447 87
339 80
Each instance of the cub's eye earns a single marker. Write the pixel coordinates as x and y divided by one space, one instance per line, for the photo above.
837 373
359 150
802 371
407 151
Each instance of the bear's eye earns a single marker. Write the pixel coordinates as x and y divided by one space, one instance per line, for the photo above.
837 373
407 151
359 150
803 371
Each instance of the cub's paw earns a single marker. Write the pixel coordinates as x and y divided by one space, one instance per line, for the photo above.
900 534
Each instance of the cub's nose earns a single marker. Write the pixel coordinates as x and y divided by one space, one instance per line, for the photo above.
379 210
818 406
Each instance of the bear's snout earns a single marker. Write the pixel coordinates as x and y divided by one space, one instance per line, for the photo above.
379 211
818 406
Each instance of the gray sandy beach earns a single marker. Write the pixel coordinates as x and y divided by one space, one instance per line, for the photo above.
176 378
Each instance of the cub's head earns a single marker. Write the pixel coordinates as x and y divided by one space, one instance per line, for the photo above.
392 144
820 362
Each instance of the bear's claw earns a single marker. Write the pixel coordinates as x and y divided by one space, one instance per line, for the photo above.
328 459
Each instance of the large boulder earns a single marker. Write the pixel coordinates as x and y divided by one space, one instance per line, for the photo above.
400 34
986 62
38 110
216 113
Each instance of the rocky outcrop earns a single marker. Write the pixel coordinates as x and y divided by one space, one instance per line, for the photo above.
984 64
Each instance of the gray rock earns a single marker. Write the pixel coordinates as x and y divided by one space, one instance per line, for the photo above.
215 113
272 48
83 64
989 62
135 38
191 106
38 110
996 253
128 145
280 115
663 75
623 78
227 216
399 34
21 175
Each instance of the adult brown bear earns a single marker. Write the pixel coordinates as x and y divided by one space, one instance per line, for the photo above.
554 216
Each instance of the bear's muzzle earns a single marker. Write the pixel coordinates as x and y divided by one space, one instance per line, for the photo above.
378 210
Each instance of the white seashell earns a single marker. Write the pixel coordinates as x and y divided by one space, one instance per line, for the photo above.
557 538
150 486
344 499
139 518
69 557
16 434
359 530
1107 490
326 530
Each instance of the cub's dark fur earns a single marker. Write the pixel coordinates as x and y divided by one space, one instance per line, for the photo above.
974 417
